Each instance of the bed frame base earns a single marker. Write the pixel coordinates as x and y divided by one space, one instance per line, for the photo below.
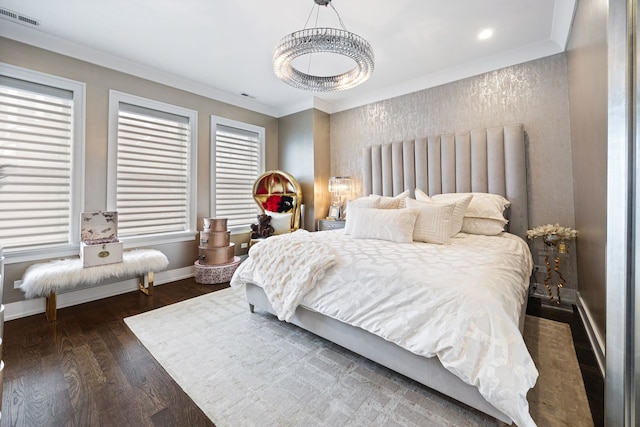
427 371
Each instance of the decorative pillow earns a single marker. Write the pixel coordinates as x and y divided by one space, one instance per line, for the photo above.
394 225
434 221
395 202
280 221
422 196
485 226
461 201
483 205
352 205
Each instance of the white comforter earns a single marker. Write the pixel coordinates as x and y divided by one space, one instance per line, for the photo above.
459 302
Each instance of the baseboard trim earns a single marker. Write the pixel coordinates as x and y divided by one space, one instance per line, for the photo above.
597 343
16 310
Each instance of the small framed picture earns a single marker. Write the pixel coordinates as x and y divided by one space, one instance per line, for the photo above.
334 212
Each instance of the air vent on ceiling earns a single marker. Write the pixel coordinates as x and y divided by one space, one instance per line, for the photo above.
18 17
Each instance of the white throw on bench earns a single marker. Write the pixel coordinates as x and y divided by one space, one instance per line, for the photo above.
47 279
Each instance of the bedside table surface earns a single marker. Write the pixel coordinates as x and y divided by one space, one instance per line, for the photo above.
328 224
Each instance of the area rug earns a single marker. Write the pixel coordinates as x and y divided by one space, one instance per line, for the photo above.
246 369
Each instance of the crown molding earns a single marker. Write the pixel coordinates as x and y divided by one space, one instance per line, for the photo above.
61 46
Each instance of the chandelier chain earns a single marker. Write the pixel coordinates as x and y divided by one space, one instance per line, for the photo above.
309 17
338 15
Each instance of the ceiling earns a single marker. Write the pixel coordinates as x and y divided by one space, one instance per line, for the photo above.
223 48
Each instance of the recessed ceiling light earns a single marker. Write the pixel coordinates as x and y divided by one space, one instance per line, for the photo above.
485 34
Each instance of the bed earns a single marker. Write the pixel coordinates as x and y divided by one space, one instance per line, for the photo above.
366 294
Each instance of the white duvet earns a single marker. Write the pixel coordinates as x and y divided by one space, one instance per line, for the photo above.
459 302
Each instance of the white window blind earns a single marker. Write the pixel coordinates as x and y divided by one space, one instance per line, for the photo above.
153 170
238 163
36 148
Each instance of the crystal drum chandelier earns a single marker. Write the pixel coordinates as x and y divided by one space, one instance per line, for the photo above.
323 40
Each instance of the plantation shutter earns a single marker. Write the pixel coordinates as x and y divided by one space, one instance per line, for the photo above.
152 171
237 166
36 146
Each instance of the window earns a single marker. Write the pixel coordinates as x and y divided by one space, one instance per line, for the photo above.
42 151
237 160
152 169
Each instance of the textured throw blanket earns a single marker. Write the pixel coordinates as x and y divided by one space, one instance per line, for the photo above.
287 267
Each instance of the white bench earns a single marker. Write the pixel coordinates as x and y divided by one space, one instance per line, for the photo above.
49 278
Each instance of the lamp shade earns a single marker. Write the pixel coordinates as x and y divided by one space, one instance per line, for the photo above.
340 184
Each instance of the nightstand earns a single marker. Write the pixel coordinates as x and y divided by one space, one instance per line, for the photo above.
330 224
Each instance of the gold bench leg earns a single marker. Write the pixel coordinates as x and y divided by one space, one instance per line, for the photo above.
148 290
50 307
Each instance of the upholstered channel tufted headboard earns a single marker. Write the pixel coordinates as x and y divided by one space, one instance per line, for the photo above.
486 160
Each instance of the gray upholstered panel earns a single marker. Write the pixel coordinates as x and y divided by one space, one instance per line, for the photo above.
463 162
448 162
422 173
433 166
376 170
479 175
367 174
409 166
485 160
387 173
495 161
397 167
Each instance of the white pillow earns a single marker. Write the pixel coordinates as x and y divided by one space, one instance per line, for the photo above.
461 201
483 205
395 202
394 225
280 221
485 226
353 205
422 196
434 221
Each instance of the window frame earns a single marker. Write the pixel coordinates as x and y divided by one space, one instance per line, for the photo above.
215 121
76 195
115 98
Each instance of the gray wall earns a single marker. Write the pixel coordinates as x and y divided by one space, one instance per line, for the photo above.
304 153
534 94
587 70
99 81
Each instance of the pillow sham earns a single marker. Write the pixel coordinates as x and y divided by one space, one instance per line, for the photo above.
422 196
280 221
353 205
395 202
461 201
393 225
482 205
484 226
434 221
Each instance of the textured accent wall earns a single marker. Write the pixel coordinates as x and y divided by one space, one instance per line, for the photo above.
534 94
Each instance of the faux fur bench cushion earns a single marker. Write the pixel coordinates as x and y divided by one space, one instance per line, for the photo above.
62 275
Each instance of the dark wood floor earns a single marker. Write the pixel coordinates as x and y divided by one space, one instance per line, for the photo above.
88 369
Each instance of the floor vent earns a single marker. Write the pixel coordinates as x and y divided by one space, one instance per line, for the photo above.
17 17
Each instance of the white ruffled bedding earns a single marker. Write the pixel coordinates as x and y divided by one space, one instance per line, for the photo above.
459 302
